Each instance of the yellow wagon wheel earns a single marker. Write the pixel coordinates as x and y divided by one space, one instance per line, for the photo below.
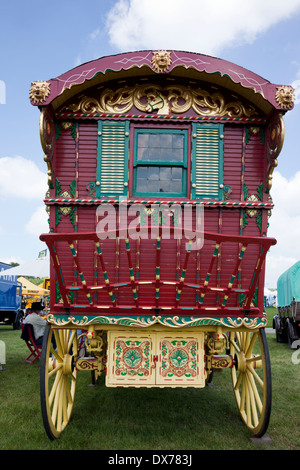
251 378
58 378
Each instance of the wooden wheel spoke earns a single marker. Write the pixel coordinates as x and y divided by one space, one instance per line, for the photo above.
255 392
55 398
59 345
235 346
71 340
250 345
253 415
55 369
55 354
253 359
256 377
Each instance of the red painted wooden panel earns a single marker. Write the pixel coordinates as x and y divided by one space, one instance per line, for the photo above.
232 168
87 163
65 159
143 254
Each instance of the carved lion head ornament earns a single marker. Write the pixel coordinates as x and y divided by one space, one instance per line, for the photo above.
161 61
39 91
285 97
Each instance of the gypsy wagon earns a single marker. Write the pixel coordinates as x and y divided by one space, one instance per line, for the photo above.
159 169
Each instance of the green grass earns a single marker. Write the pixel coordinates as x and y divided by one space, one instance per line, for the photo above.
150 419
271 312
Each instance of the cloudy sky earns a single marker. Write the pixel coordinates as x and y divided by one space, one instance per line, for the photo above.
39 41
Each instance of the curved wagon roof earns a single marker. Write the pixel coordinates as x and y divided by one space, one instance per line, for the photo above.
174 64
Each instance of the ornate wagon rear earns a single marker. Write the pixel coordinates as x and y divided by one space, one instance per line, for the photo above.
160 168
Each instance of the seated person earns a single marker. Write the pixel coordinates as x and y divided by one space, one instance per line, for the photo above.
38 323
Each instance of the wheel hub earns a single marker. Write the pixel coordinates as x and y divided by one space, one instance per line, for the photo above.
240 361
68 364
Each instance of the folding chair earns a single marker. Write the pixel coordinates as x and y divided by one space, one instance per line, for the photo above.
35 349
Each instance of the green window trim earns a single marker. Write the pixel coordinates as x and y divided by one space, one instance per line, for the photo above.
159 163
207 161
112 159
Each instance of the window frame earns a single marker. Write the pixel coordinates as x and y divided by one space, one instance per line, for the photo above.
152 129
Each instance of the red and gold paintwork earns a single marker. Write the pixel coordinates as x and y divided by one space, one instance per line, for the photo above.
154 312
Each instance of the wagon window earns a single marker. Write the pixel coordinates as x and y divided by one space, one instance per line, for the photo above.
160 162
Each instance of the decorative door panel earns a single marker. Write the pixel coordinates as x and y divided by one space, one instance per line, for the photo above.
180 360
130 359
155 359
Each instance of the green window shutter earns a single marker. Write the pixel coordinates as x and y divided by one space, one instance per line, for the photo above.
207 161
112 163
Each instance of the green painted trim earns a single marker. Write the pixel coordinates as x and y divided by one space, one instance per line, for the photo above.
113 125
214 141
57 187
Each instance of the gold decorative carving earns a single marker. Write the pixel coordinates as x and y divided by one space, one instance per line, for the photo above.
65 210
252 198
39 91
161 61
173 322
47 137
285 97
66 125
275 138
148 98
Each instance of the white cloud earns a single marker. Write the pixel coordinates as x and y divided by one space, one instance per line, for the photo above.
284 226
197 25
38 222
296 86
275 266
21 178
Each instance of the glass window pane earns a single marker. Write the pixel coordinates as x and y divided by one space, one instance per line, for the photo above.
165 173
154 140
165 187
142 172
143 154
141 185
143 140
154 154
178 141
176 186
155 179
153 172
176 173
166 140
161 147
166 155
153 186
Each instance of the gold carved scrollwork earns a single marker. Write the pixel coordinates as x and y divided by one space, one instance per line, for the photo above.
177 99
275 138
144 322
47 137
